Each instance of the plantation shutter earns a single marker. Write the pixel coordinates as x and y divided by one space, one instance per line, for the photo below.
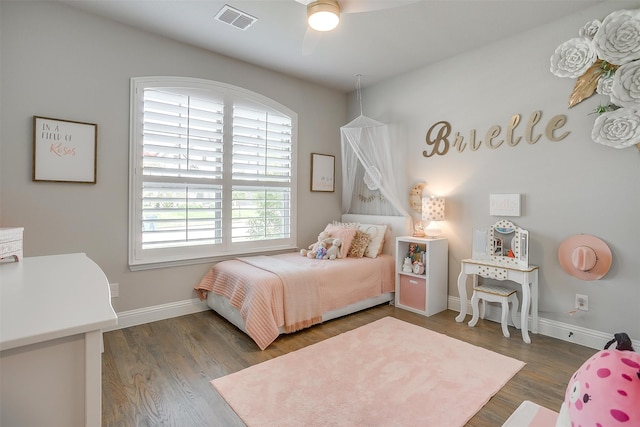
182 164
262 168
212 172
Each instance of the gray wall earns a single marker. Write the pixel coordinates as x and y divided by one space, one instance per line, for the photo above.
61 63
568 187
58 62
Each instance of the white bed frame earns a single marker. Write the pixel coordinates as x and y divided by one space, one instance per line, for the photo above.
396 226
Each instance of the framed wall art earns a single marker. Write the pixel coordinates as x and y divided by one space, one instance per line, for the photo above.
322 172
64 150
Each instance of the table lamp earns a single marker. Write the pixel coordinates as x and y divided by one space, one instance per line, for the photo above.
432 211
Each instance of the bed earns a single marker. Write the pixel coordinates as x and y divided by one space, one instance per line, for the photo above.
266 296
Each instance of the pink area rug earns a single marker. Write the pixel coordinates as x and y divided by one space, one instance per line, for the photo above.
386 373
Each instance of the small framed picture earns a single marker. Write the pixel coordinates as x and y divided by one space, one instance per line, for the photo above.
322 172
64 150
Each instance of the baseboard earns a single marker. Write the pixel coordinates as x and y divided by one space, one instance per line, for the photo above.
552 328
158 312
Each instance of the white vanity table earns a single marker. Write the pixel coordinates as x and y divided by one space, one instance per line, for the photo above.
526 277
52 312
501 252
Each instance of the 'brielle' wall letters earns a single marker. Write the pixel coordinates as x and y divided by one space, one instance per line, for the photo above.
438 142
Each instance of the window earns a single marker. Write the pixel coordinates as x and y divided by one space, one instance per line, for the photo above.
212 172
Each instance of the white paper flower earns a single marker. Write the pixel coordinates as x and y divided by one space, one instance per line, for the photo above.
589 29
573 57
617 129
604 85
617 41
625 90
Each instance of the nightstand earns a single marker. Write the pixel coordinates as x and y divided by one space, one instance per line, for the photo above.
423 292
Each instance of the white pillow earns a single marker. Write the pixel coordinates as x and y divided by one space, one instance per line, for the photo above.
377 238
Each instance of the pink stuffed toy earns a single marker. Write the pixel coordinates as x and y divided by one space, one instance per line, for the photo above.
605 390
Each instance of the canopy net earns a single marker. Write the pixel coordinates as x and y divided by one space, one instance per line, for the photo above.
370 185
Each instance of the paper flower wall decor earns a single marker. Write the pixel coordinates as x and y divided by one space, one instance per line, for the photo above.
604 59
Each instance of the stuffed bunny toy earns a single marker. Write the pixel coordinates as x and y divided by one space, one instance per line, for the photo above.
334 251
312 250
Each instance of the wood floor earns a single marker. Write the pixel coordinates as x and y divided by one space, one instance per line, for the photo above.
158 374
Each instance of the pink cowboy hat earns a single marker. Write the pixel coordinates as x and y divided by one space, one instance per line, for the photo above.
585 257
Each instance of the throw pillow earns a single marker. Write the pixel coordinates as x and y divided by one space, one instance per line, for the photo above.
359 244
376 232
346 234
346 224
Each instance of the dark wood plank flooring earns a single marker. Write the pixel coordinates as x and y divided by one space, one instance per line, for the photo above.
158 374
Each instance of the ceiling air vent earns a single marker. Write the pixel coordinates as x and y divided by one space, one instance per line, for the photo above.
235 17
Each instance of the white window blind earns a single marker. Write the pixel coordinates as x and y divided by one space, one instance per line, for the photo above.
213 172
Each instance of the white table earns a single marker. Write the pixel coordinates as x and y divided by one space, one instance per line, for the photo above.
527 278
52 312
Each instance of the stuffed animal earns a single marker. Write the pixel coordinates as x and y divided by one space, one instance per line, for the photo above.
312 250
334 251
415 196
407 267
321 253
605 390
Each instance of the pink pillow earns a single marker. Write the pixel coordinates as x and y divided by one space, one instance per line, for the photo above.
346 234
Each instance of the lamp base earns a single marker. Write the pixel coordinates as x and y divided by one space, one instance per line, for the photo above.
433 230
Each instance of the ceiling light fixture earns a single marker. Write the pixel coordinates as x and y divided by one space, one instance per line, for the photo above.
323 15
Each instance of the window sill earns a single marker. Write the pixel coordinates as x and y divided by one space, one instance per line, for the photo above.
193 261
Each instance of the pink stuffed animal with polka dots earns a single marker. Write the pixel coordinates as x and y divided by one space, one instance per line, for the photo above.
605 390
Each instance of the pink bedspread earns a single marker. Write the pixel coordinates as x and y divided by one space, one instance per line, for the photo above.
259 294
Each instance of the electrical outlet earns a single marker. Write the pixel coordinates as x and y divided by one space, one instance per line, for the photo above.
115 289
582 302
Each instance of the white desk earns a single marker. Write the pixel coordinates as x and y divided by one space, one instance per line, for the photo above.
526 278
52 312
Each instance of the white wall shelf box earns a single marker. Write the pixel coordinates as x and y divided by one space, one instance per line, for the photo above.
11 243
423 292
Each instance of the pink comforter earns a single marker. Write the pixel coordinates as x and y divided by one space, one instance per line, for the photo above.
259 294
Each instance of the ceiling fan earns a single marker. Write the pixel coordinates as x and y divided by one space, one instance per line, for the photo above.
324 15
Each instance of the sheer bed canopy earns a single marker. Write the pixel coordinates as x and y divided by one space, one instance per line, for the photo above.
369 184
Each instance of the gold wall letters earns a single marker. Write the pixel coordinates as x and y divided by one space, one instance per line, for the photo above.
437 138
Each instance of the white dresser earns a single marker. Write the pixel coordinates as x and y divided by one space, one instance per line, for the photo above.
52 312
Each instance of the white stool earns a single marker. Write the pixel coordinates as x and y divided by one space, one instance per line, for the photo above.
492 293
